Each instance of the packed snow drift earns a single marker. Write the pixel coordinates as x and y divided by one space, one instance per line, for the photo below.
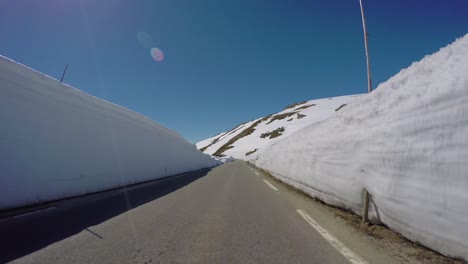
245 140
406 143
57 141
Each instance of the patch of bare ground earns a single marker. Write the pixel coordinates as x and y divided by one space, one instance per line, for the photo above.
280 116
299 116
273 134
251 152
266 117
236 128
339 108
244 133
294 105
304 107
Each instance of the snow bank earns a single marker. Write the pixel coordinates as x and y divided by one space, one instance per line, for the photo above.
57 141
406 143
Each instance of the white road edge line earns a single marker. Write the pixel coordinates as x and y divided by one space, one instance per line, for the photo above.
337 244
270 185
38 211
257 173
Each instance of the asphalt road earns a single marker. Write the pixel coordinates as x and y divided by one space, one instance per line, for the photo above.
230 214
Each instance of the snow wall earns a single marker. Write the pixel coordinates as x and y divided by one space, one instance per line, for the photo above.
406 143
57 141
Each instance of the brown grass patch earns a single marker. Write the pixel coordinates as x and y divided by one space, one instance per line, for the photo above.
242 134
341 106
273 134
266 117
251 152
294 105
304 107
280 116
299 116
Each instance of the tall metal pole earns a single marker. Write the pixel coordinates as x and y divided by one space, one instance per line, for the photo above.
63 74
369 81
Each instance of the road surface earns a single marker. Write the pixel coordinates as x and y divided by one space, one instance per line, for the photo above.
229 214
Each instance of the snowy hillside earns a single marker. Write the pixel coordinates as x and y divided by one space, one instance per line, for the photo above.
57 141
406 143
245 140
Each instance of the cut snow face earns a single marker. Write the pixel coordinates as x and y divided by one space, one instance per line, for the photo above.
57 141
406 143
243 141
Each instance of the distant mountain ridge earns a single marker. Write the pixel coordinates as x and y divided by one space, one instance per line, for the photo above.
244 140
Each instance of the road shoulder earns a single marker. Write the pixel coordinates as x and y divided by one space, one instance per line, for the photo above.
374 243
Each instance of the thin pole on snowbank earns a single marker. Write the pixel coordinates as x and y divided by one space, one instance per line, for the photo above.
64 71
369 81
365 209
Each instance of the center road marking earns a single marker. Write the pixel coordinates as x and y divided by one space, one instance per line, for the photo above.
257 173
337 244
270 185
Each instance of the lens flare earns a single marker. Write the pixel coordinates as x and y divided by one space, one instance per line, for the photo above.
157 54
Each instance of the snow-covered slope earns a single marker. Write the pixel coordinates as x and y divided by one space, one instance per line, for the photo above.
244 141
406 143
57 141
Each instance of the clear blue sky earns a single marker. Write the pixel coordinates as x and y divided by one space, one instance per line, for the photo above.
225 62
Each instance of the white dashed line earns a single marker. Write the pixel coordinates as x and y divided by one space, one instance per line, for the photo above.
257 173
338 245
270 185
